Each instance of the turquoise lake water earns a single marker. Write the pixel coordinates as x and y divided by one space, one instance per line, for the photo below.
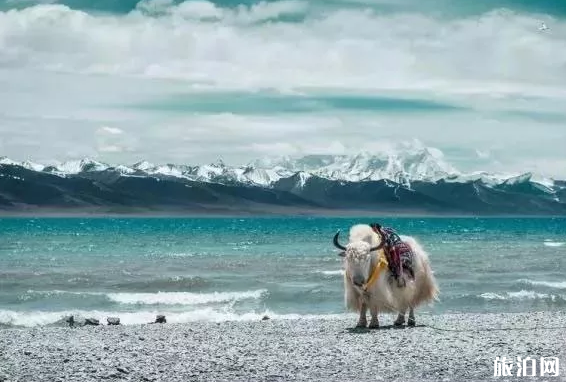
242 268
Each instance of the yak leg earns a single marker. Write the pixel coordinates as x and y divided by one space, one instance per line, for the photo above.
362 321
400 321
411 321
374 323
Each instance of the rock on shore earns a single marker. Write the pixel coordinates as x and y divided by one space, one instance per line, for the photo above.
283 350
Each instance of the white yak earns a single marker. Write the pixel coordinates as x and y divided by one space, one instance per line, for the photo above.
362 257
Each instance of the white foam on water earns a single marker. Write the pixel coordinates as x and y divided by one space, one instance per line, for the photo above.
554 243
549 284
181 254
183 298
492 296
51 293
58 292
42 318
162 298
521 295
528 295
332 273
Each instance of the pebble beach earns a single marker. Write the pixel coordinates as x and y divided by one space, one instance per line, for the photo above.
452 347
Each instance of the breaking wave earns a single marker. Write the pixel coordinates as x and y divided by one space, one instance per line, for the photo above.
523 295
548 284
554 243
332 273
158 298
183 298
10 318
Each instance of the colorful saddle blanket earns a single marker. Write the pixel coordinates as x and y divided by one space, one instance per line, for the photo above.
399 254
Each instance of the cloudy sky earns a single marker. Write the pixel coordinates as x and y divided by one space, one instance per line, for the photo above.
195 81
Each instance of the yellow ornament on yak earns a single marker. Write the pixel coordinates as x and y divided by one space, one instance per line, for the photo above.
379 267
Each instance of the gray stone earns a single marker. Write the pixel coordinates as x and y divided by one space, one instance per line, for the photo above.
92 321
113 321
71 321
160 319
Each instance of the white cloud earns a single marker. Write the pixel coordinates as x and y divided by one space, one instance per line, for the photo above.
110 149
483 154
110 130
495 53
84 75
298 148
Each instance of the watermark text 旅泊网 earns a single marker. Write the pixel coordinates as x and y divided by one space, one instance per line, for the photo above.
526 367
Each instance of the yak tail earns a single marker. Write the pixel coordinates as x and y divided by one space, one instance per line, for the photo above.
428 290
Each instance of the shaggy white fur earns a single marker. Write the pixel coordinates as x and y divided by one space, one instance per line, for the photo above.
384 295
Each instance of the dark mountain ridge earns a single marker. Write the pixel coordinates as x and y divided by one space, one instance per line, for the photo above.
109 190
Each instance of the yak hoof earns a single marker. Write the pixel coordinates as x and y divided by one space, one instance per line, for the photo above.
411 322
400 321
361 324
373 325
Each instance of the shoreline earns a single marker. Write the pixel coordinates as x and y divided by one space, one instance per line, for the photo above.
346 214
449 347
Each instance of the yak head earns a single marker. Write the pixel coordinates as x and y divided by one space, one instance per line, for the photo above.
358 256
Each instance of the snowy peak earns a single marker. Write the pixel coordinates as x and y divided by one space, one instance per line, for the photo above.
123 169
523 178
27 164
402 165
302 178
262 176
143 165
284 162
32 166
217 172
8 161
75 167
427 165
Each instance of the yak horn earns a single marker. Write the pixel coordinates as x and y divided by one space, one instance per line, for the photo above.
381 242
336 243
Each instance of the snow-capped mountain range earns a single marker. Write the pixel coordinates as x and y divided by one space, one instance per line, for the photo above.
410 180
423 164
